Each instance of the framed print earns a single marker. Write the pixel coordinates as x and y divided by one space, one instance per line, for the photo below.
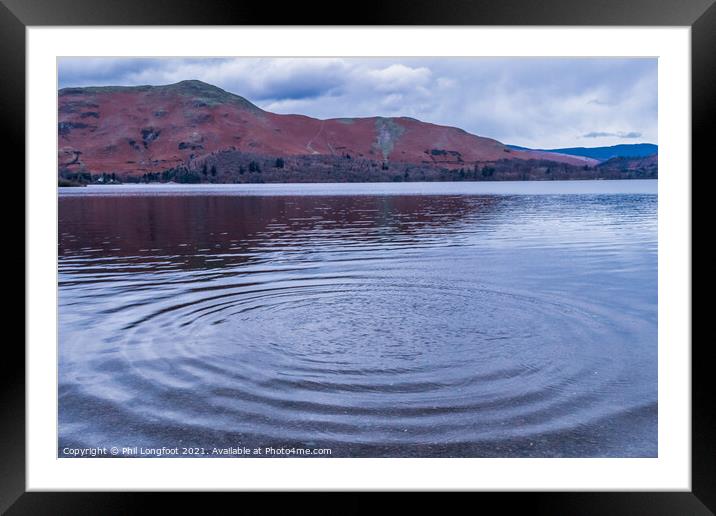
422 250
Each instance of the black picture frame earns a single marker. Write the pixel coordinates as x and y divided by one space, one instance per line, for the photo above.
16 15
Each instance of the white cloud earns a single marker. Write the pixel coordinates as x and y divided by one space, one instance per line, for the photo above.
397 77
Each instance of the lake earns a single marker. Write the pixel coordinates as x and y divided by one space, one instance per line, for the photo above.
374 320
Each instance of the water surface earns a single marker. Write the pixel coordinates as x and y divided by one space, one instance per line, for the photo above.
433 319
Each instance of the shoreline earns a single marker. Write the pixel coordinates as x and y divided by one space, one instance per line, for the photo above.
557 187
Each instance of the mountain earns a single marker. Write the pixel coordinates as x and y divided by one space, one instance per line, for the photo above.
646 165
635 150
141 131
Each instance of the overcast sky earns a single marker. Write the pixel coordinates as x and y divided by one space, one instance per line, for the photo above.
535 102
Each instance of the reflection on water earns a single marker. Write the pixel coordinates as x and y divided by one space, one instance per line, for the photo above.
383 325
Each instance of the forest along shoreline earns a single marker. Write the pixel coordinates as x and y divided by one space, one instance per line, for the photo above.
232 167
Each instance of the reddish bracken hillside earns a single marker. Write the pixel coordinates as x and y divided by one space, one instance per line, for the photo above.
135 130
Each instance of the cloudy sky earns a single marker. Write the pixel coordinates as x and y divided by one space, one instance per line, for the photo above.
535 102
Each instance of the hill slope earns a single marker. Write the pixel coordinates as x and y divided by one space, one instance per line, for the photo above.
133 131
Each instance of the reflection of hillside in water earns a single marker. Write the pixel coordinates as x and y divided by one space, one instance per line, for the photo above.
214 232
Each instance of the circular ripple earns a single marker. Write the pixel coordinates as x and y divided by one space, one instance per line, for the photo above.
363 359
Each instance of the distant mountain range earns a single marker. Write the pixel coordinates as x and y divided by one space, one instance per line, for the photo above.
195 132
635 150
